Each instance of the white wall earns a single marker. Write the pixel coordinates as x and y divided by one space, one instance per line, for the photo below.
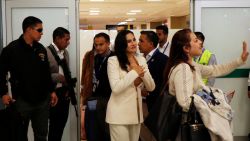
225 23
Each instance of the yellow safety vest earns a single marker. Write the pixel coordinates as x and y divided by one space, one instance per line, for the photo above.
204 60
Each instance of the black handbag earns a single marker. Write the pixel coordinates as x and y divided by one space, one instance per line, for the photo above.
164 118
194 129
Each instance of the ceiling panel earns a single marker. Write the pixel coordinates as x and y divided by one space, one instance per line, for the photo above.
115 11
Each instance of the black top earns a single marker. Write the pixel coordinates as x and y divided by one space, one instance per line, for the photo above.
29 71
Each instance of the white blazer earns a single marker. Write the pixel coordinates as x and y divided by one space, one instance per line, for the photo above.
122 106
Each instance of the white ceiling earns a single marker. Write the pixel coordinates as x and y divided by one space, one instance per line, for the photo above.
115 11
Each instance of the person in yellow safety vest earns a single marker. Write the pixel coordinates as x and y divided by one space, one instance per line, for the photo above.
206 58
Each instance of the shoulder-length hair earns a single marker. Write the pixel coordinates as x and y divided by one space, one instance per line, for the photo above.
177 55
121 45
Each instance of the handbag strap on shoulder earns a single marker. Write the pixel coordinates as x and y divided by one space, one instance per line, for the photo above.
166 84
192 112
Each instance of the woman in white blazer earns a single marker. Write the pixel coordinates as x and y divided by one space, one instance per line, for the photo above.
128 73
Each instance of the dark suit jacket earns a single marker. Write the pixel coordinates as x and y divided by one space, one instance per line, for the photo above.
156 66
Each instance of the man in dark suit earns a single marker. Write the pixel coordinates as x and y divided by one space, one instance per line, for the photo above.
156 63
56 54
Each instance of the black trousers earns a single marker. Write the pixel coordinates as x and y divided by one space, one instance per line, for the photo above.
37 114
11 124
58 117
95 126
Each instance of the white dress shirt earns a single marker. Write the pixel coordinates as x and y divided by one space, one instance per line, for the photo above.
61 56
165 49
151 53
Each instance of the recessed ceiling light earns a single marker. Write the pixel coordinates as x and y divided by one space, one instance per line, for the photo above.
135 11
94 11
93 14
129 13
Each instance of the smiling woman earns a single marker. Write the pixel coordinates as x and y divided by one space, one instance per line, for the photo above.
128 73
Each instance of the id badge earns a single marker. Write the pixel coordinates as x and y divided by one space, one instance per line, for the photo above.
91 105
95 85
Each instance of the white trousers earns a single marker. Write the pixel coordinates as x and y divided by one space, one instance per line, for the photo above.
124 132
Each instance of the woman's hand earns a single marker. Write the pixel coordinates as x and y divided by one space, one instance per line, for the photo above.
137 81
144 92
139 70
245 52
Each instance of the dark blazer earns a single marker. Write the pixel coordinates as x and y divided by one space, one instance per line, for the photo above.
103 90
156 66
28 66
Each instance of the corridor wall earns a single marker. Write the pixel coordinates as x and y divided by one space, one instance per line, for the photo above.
225 24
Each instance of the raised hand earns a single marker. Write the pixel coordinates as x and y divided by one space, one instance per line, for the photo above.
245 52
135 66
139 70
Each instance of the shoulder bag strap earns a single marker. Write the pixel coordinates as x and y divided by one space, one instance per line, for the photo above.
54 53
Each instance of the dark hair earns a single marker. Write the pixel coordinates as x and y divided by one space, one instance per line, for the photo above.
162 27
30 22
60 32
151 36
120 48
104 35
200 36
177 55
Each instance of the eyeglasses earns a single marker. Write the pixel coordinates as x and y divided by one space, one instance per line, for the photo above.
40 30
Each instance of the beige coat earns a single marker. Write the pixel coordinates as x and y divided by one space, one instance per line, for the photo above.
125 103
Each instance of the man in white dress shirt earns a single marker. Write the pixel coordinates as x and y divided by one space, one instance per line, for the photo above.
57 53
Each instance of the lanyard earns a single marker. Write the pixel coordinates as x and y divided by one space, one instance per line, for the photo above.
106 56
96 73
165 48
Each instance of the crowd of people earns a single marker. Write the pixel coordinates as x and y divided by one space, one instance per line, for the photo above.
119 86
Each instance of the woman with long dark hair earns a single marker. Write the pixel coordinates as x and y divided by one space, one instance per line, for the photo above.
184 76
128 73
